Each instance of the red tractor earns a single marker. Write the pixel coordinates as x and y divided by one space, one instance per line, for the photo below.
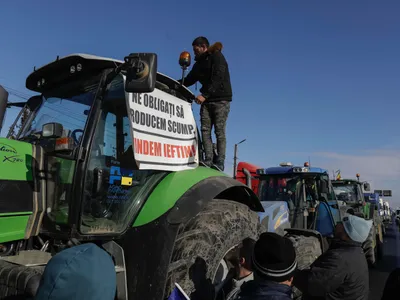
246 173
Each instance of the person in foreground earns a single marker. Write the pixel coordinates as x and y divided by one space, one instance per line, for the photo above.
342 271
392 286
81 272
211 70
244 268
274 264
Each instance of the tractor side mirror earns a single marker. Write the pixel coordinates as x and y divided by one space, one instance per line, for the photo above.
141 73
3 105
367 187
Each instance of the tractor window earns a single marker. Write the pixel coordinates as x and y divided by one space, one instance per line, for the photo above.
68 105
289 188
114 186
281 188
347 193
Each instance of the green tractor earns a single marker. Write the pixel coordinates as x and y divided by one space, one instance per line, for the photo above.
70 175
351 192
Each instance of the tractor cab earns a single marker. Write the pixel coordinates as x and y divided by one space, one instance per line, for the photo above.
306 191
77 132
351 192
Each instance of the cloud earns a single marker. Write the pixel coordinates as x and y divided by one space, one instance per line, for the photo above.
381 168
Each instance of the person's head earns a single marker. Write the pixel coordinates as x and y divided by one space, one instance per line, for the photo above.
353 228
245 253
274 258
80 272
200 45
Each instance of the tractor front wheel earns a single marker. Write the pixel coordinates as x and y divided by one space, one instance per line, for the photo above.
308 249
198 260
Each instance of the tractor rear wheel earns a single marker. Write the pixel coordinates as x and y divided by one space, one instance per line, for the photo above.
308 249
202 243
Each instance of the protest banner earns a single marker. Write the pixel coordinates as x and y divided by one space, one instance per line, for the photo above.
164 132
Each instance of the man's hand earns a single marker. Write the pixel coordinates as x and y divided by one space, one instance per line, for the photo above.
200 99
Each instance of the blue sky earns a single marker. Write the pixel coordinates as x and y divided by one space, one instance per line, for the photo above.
310 78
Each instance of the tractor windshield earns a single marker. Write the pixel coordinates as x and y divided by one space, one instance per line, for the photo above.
68 105
289 188
346 192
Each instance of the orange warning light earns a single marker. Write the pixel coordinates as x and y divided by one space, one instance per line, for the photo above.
184 59
306 164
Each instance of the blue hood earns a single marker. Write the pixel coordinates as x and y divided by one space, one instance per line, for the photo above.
81 272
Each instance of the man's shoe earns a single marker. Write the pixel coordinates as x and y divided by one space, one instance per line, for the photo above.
218 167
206 164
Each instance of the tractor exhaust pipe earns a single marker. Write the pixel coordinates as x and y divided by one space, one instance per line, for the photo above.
248 177
3 105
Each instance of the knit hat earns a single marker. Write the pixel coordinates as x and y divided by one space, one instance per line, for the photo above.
357 228
274 257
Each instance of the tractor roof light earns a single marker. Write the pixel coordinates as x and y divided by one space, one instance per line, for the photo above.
306 164
300 169
184 60
358 175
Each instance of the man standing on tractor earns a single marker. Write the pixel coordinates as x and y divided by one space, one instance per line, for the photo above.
342 271
211 70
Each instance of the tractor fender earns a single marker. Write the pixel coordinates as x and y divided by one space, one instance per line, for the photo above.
149 246
193 201
327 217
183 194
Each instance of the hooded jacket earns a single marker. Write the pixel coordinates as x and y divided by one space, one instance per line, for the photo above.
81 272
339 273
211 70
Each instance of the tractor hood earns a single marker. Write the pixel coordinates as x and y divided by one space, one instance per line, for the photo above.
21 194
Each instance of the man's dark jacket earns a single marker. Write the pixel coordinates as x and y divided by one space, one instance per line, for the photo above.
211 70
264 290
339 273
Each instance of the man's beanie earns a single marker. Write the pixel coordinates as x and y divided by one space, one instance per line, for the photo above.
274 257
357 228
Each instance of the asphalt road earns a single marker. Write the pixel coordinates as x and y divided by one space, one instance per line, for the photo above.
390 260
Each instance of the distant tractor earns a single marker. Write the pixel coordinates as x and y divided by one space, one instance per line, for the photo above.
247 174
377 205
351 191
303 204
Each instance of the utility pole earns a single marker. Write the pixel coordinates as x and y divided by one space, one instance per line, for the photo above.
235 158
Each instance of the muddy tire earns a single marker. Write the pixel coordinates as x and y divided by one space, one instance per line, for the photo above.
203 242
369 249
308 249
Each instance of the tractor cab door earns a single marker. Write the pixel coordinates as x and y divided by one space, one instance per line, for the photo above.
113 187
298 213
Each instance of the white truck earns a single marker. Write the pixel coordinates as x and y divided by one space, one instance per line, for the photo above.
387 214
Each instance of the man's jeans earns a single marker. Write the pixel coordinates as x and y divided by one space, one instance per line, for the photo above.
214 114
